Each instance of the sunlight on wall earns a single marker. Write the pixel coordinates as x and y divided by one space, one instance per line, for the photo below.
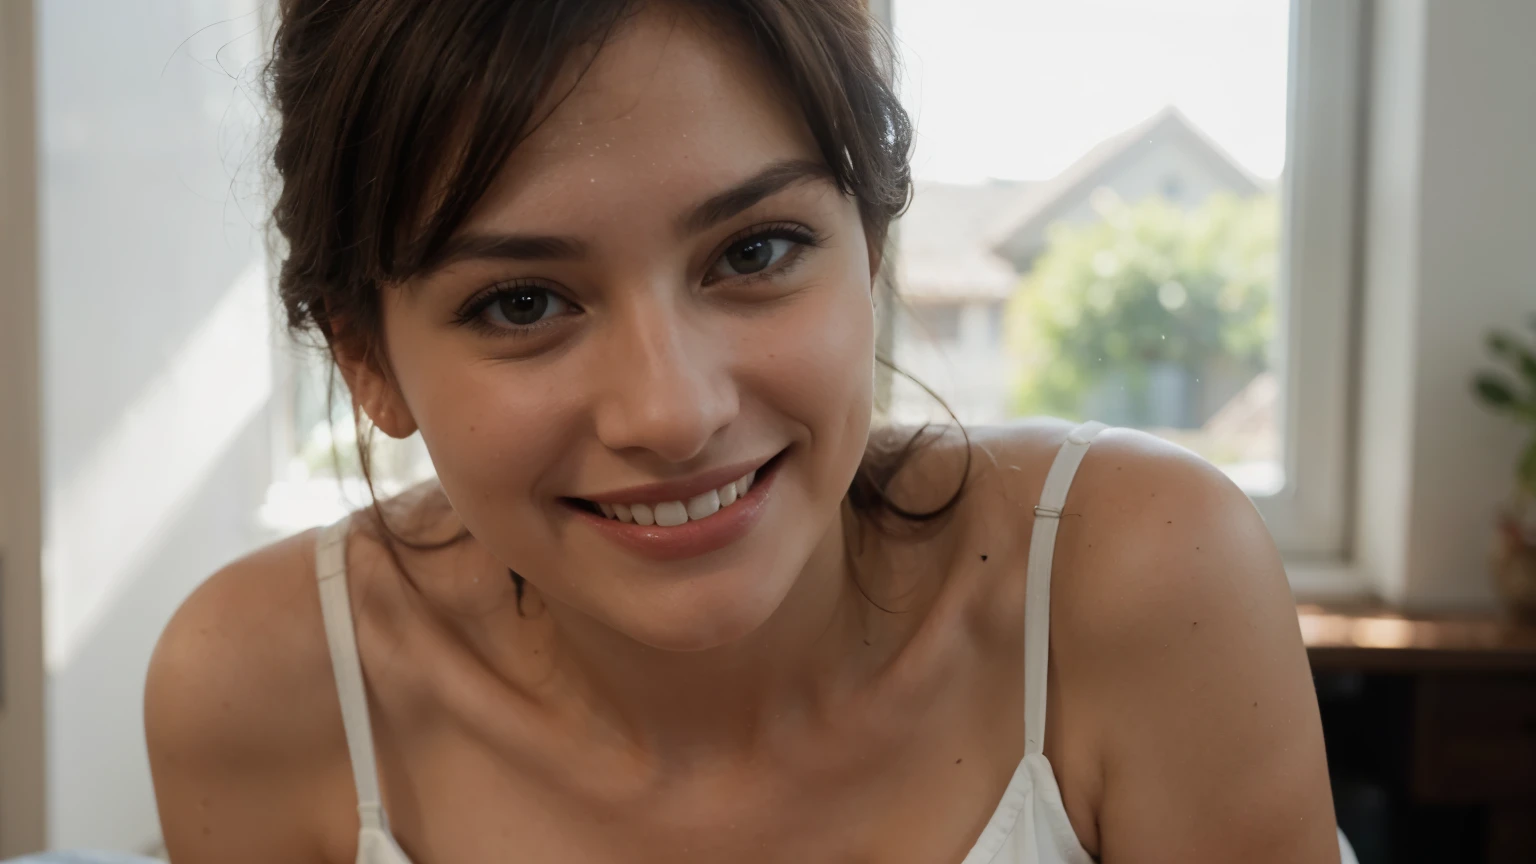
130 489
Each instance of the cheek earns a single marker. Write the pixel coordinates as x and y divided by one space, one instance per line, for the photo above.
828 362
485 424
485 434
817 366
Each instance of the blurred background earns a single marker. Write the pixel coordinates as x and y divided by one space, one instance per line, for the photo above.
1277 232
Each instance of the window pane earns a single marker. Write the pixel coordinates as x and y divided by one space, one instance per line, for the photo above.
1098 196
933 322
325 441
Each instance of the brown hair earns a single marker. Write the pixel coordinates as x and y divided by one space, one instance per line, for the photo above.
395 115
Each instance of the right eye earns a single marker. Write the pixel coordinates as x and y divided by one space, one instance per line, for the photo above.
515 309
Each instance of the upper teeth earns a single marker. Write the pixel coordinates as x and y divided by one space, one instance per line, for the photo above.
668 514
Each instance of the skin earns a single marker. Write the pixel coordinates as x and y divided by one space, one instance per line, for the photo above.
751 704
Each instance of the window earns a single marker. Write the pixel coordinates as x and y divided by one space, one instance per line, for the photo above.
934 322
317 446
1159 240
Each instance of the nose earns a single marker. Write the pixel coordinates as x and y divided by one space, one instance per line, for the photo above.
670 384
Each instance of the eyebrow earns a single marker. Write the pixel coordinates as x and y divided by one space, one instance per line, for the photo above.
775 178
508 247
745 195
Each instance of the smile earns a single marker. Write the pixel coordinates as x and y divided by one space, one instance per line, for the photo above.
670 514
683 527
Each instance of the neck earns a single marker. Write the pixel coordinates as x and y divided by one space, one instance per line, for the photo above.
688 707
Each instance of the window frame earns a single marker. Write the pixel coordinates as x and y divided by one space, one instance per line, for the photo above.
1309 517
1320 259
23 772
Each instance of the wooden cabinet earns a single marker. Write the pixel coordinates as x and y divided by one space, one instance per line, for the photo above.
1430 725
1474 737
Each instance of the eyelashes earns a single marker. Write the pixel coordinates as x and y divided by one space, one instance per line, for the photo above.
525 307
747 247
512 307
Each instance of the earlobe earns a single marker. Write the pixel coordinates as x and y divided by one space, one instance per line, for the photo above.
389 414
377 395
876 261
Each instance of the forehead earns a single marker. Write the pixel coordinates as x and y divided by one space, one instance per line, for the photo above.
671 107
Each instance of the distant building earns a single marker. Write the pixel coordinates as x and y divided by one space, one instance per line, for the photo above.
964 248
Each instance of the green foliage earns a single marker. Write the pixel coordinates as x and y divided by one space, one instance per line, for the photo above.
1495 389
1149 283
1512 391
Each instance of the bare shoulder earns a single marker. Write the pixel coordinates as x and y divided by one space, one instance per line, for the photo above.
1175 641
1156 540
1151 533
247 641
241 718
1147 520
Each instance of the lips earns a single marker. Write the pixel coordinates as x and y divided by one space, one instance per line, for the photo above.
674 528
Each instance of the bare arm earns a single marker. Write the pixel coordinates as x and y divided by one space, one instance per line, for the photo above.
1180 633
236 720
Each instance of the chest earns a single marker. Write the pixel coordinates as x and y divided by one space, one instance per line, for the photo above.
923 807
913 775
901 788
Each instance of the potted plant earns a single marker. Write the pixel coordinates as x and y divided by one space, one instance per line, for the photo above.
1512 391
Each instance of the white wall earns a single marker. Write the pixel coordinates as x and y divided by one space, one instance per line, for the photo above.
1450 252
156 366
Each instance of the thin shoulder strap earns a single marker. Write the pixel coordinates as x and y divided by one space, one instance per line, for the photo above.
1037 591
336 606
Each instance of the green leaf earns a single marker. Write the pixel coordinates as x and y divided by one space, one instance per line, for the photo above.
1150 284
1527 468
1506 346
1495 389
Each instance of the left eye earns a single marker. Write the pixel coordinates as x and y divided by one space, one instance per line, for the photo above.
519 308
752 255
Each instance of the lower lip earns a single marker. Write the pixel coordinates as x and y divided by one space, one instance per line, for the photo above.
692 538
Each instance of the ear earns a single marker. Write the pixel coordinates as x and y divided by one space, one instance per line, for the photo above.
374 391
876 260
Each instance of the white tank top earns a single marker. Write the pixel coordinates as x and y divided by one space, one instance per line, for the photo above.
1029 825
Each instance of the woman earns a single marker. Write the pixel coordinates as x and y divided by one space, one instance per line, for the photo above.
671 599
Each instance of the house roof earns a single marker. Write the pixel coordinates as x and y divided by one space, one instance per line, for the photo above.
943 250
1030 215
960 242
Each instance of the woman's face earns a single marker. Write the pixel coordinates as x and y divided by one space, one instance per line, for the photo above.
662 293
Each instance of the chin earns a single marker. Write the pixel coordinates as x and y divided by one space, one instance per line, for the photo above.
710 613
